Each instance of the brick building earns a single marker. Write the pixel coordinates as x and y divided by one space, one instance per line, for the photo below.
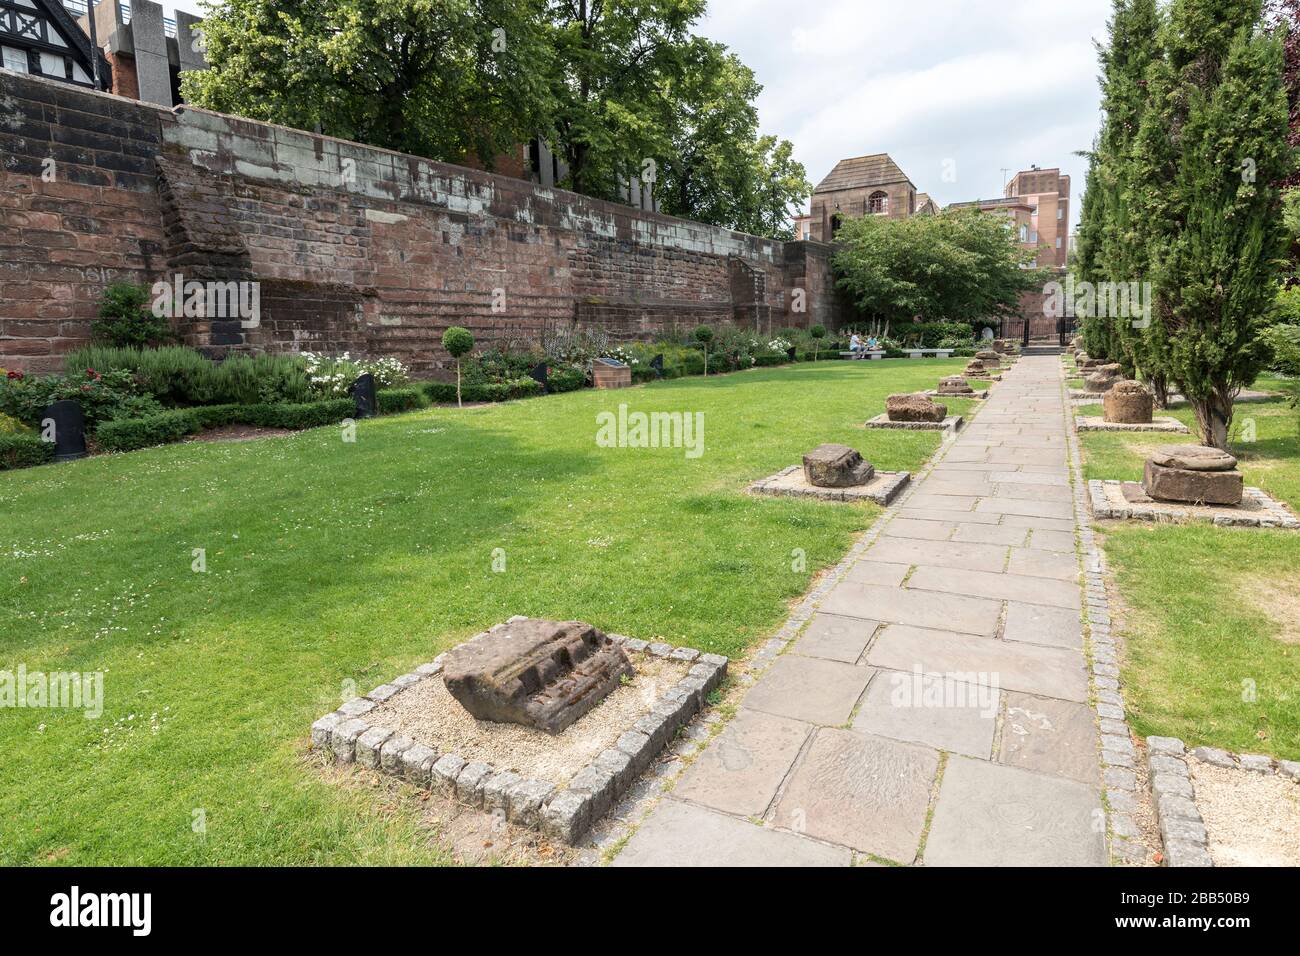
862 186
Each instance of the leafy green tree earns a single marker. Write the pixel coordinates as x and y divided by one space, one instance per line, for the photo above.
446 79
718 168
1211 149
957 266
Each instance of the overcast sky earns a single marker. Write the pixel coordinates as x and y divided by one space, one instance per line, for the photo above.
986 84
972 86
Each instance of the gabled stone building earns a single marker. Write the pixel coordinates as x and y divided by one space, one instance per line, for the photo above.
862 186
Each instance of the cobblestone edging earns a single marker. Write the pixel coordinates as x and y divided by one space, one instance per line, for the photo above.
1182 829
1118 754
563 814
1270 514
1093 423
882 421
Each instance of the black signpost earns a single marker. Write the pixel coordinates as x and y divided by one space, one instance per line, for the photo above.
657 363
64 425
538 374
363 390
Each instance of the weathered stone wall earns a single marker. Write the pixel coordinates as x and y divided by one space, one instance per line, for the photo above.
354 248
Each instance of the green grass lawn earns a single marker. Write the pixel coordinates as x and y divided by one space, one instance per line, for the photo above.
1212 635
329 562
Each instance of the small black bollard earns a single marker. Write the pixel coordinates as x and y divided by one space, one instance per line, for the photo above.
657 363
363 390
64 426
538 374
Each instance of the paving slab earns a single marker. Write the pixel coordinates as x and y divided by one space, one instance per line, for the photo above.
1057 565
992 584
877 572
1045 540
915 528
969 533
835 638
809 689
1055 737
991 815
931 710
971 615
742 768
942 554
1039 624
863 792
681 834
1061 510
1048 671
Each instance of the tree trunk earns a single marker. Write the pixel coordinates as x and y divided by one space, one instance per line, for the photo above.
1160 389
458 403
1214 418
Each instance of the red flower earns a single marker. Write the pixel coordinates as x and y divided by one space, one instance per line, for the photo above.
15 375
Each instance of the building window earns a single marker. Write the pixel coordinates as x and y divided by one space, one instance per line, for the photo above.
836 221
1060 212
878 203
15 60
1024 233
1033 237
1058 242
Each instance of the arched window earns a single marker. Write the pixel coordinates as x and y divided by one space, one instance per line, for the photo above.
836 222
878 203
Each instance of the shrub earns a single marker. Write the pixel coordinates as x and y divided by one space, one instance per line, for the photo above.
177 375
331 377
12 426
23 451
445 392
566 379
307 415
125 319
102 396
392 400
128 434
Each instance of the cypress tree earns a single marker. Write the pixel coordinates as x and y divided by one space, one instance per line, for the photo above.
1210 149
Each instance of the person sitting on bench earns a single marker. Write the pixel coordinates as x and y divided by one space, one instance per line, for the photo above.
855 343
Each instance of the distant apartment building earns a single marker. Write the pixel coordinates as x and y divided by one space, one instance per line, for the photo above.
1047 194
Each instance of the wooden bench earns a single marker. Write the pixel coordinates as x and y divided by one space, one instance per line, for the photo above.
937 353
872 354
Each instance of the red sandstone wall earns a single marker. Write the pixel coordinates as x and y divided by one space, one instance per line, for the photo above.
354 248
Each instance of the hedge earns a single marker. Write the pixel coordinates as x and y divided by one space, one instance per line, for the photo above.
129 434
23 451
393 400
445 392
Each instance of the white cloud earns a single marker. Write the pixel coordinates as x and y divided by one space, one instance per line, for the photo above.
987 84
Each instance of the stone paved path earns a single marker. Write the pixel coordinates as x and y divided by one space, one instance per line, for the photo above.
935 708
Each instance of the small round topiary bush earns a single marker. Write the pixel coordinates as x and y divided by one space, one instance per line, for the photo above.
458 341
704 335
818 332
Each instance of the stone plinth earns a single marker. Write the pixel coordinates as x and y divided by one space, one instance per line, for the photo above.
915 408
1128 403
791 482
1193 474
1104 377
989 358
955 385
608 374
542 674
836 466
